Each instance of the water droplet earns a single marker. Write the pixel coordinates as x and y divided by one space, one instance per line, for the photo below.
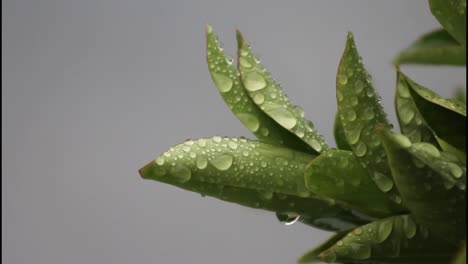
167 154
383 182
186 148
339 243
299 111
358 231
249 120
353 100
402 140
266 195
406 115
287 218
264 131
201 163
229 60
244 62
360 149
253 81
245 153
360 251
202 142
193 155
384 229
354 135
217 139
370 92
358 87
263 164
181 173
316 145
259 98
299 132
160 161
223 82
232 144
403 91
428 148
368 114
280 114
409 226
222 162
350 115
455 170
342 79
339 95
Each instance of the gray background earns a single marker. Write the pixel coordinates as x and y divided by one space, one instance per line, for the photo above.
95 89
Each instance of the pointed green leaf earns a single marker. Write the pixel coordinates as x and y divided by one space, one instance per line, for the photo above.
248 173
360 111
412 124
396 239
436 47
338 132
425 178
337 174
461 255
228 82
269 96
312 255
460 95
234 162
461 155
451 14
446 117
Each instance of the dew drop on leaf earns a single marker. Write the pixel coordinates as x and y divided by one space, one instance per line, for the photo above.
383 182
222 162
201 163
280 114
181 173
223 82
253 81
287 218
249 120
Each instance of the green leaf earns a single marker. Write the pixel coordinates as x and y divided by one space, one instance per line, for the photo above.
396 239
360 111
412 124
338 132
452 150
248 173
426 177
460 95
461 255
436 47
446 117
228 82
269 96
312 255
337 174
451 14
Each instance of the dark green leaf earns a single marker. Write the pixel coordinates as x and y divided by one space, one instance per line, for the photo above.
269 96
412 124
396 239
437 47
360 111
426 179
461 255
228 82
337 174
338 132
451 14
446 117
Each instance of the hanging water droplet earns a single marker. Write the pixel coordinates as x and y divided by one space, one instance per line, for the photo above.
249 120
201 163
287 218
280 114
181 173
342 79
253 81
259 98
383 182
222 162
229 60
223 82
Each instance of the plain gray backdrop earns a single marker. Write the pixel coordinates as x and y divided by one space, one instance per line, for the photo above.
95 89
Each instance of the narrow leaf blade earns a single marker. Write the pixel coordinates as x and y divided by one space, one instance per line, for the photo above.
338 175
437 47
421 173
451 14
228 82
360 111
269 96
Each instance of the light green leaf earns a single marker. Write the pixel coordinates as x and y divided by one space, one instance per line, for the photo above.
338 175
338 132
425 178
246 172
436 47
452 150
446 117
451 14
269 96
312 255
460 95
228 82
412 124
360 111
396 239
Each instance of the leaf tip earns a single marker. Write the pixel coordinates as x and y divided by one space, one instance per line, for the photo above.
208 29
